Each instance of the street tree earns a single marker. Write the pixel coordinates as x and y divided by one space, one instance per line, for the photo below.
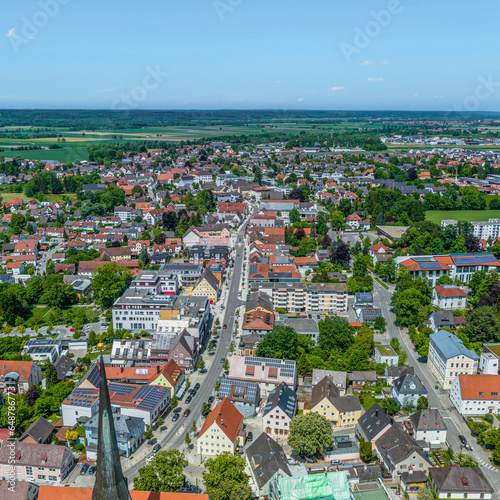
310 433
164 473
422 403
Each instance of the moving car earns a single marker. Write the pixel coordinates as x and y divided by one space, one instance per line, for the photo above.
225 325
187 411
84 470
222 360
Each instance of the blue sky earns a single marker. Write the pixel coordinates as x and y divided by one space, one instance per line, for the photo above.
250 54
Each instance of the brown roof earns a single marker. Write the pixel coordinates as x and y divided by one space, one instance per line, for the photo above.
22 368
72 493
450 291
460 479
323 389
33 454
472 386
227 418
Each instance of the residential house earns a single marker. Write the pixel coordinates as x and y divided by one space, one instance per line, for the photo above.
37 463
342 411
280 408
39 432
19 376
429 426
245 396
206 286
265 459
129 433
393 372
460 482
476 394
441 319
489 360
449 297
222 430
448 358
338 378
374 423
170 375
407 389
399 452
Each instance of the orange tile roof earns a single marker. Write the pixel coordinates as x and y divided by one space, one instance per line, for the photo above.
472 386
227 418
448 291
72 493
22 368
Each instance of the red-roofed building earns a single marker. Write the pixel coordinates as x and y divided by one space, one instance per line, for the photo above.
221 431
449 297
476 394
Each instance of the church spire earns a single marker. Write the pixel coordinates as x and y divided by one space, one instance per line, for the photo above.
110 482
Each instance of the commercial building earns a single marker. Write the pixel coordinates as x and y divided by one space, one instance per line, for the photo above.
43 348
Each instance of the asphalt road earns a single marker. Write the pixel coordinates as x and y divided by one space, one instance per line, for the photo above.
175 434
438 398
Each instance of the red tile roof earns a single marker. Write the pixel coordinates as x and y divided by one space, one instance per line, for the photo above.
472 386
227 418
449 291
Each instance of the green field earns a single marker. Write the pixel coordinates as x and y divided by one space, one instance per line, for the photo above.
65 155
462 215
6 197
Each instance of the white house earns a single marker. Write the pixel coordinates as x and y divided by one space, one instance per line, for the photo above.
449 297
476 394
279 411
429 426
460 482
385 354
448 358
489 360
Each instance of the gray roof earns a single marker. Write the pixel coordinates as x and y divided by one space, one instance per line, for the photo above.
453 480
306 326
409 384
395 446
362 376
427 420
449 345
374 421
259 299
398 371
444 318
283 397
337 377
266 457
40 430
123 424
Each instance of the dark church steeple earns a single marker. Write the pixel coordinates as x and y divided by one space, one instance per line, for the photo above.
110 482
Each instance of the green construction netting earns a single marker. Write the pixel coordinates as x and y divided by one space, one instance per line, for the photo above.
329 486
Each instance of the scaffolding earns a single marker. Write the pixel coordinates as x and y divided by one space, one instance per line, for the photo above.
323 486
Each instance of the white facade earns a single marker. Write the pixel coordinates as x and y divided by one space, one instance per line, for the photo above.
448 302
213 442
71 413
383 355
482 402
276 423
482 230
489 361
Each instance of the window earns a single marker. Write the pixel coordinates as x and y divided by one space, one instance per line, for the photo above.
29 471
481 394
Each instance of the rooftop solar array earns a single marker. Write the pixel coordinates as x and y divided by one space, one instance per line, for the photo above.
93 376
287 367
430 265
424 258
239 389
121 389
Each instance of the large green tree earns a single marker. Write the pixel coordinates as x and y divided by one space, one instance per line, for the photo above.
109 283
310 433
225 478
281 342
164 473
483 325
335 333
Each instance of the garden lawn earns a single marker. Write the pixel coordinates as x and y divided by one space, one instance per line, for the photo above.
461 215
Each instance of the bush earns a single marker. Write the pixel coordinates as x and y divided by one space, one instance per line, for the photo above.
79 447
488 418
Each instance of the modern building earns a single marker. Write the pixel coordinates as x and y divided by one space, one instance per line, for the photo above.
222 430
267 372
481 229
42 348
476 394
407 389
448 358
280 408
245 396
325 298
187 273
385 354
460 483
489 361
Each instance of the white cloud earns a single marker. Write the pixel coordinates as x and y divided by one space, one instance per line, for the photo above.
367 63
373 80
300 99
385 62
336 89
11 32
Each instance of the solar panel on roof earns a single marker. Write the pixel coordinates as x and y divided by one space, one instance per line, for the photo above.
430 265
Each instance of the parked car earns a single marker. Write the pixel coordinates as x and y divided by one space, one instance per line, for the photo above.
85 468
197 386
149 459
210 400
93 469
157 447
189 399
187 411
462 440
336 462
72 330
193 394
175 417
250 437
153 441
163 428
204 370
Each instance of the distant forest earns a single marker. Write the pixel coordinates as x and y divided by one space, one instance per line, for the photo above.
119 120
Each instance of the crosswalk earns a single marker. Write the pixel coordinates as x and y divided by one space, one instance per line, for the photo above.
487 465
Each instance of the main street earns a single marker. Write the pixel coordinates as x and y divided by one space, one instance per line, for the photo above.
438 398
175 434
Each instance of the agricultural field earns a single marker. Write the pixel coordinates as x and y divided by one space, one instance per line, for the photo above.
63 197
462 215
